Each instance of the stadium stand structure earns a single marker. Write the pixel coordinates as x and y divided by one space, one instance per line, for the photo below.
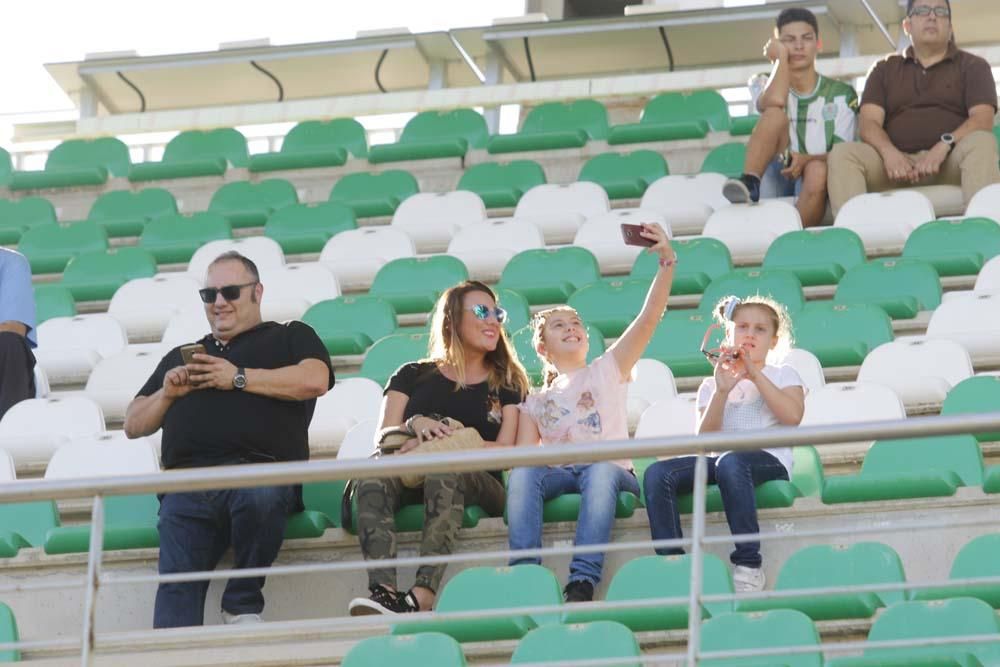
895 314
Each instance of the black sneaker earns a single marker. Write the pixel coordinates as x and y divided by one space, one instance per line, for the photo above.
383 601
578 591
744 190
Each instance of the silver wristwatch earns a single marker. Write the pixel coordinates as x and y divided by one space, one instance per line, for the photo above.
240 379
949 139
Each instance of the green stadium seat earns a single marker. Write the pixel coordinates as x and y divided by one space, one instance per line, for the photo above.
174 238
817 258
782 286
529 358
371 195
555 125
582 641
979 559
501 184
350 324
410 517
831 566
50 247
567 507
307 524
610 305
129 523
305 228
53 300
77 162
677 343
743 126
325 498
26 524
518 310
901 287
196 153
428 648
699 262
315 143
955 247
980 393
95 275
413 284
958 617
125 213
841 334
910 468
246 204
624 175
726 159
647 577
389 353
673 116
550 275
781 628
8 634
18 216
6 168
434 134
483 588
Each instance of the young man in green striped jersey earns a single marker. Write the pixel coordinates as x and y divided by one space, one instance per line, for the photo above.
802 115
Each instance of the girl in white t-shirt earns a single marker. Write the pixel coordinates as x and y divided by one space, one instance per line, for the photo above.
582 403
745 393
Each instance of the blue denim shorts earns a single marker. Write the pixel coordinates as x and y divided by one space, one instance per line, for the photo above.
773 184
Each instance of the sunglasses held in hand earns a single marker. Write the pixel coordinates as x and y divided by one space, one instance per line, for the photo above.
228 292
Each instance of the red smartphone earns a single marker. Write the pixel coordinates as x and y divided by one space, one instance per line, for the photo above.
631 236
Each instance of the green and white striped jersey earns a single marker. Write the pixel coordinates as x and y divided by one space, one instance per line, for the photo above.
827 116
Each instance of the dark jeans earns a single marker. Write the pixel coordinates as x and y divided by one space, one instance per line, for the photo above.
196 528
737 474
17 370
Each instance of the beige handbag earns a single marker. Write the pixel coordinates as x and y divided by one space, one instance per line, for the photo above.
461 437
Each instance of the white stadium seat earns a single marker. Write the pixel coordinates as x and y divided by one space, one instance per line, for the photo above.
116 379
185 327
356 255
669 417
359 443
290 290
686 200
602 236
748 229
41 382
808 367
350 401
985 203
973 321
33 429
988 279
848 402
486 247
265 252
7 472
652 381
106 454
433 218
145 305
559 210
884 220
920 370
70 347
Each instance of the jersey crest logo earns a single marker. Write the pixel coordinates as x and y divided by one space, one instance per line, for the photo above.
829 111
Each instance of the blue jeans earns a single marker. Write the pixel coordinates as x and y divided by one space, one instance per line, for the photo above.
195 530
737 474
598 485
774 184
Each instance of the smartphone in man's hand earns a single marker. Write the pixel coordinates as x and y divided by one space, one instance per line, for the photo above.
631 235
188 352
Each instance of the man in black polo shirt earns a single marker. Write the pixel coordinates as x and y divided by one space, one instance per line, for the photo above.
926 116
248 399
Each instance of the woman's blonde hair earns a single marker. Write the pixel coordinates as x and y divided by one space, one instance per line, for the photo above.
725 312
445 345
549 372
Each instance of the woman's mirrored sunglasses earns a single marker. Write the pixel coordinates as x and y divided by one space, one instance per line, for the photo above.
483 312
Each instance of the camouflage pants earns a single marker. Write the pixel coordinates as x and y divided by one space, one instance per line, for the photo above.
444 496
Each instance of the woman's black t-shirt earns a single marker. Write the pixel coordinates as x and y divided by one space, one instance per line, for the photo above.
430 392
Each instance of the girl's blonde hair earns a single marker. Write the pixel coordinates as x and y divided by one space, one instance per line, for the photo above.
549 372
725 312
445 345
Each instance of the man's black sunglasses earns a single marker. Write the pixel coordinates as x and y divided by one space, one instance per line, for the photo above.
228 292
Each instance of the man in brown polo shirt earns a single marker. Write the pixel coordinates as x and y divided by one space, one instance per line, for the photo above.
926 116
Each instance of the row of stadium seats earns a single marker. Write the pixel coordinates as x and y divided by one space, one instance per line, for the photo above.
429 134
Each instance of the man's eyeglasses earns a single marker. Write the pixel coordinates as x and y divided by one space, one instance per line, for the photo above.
924 11
228 292
483 312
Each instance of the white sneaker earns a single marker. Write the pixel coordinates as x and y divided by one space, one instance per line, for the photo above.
748 579
239 619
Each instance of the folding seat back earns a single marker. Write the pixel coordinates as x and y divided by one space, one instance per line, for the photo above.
435 126
246 204
486 247
667 417
70 347
686 200
312 135
225 143
624 175
973 321
34 428
849 402
807 366
115 379
955 247
17 216
988 279
96 275
306 228
706 105
391 352
782 286
726 159
103 455
816 257
413 284
125 213
6 167
973 395
841 334
652 381
985 203
884 220
53 300
610 305
748 231
290 290
175 238
779 628
920 370
550 275
371 195
429 648
560 210
265 252
144 306
901 287
602 236
582 641
501 184
975 560
432 219
677 343
50 247
699 262
587 115
356 255
337 411
109 153
349 324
